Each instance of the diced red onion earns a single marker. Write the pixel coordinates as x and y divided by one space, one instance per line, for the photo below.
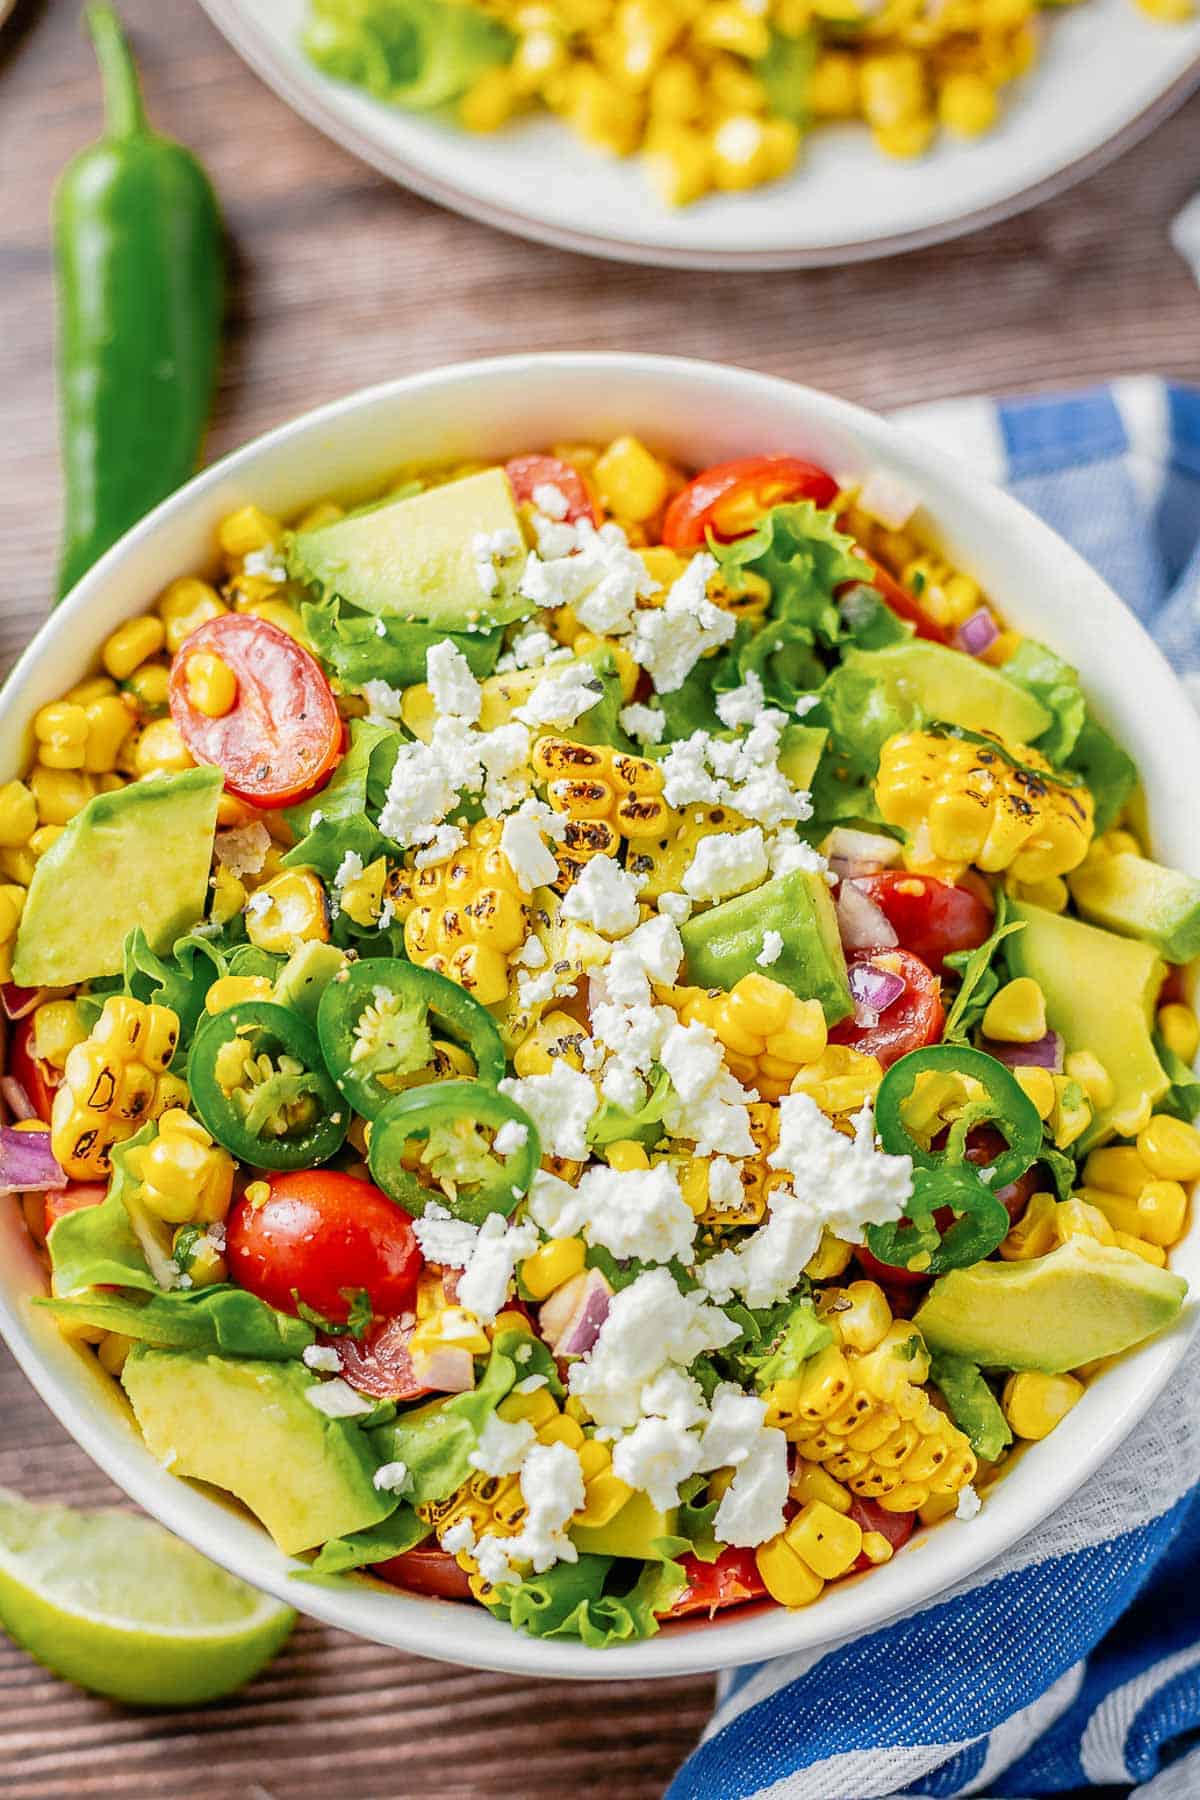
861 923
1045 1053
27 1163
853 852
16 1099
571 1318
874 991
17 1001
446 1369
978 633
886 498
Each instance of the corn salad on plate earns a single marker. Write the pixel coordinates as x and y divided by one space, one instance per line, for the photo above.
721 135
592 1039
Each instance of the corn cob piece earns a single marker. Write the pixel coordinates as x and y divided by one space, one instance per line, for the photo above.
768 1033
603 795
112 1083
463 918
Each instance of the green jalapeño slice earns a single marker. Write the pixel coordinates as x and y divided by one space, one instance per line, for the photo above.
259 1085
476 1150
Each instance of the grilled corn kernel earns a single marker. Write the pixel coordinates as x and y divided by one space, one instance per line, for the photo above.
1017 1013
1178 1027
679 163
831 1260
1034 1403
112 1083
1071 1114
148 688
43 837
231 990
1085 1067
833 86
131 645
160 750
18 815
185 606
551 1265
12 902
786 1576
860 1315
212 686
893 89
1170 1148
247 530
1118 1168
631 482
112 1352
841 1081
19 865
109 723
185 1178
626 1155
61 733
291 909
810 1482
967 105
826 1539
491 100
1037 1085
57 1028
60 794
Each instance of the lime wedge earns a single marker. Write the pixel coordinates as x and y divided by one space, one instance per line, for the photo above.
112 1601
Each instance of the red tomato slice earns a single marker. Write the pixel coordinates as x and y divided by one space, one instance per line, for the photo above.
73 1198
37 1078
283 737
728 499
911 1022
426 1570
319 1238
897 1528
904 604
379 1363
729 1581
528 472
931 918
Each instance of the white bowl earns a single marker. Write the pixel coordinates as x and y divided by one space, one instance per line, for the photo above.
698 413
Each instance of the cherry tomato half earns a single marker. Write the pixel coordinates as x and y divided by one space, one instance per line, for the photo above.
729 1581
903 603
931 918
73 1198
897 1528
911 1022
319 1238
37 1078
379 1363
426 1570
525 473
727 499
282 738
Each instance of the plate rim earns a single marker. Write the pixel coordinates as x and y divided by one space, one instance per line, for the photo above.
234 20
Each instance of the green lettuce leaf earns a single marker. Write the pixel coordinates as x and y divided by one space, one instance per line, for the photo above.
1056 684
435 1441
225 1321
180 982
973 1406
584 1600
979 977
97 1246
786 70
612 1124
400 1531
799 551
1110 774
1063 1170
345 795
350 644
412 53
802 1336
1182 1098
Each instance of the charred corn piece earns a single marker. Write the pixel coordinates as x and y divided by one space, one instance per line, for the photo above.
185 1178
112 1083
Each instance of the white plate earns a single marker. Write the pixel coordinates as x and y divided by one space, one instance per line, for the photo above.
697 413
1108 74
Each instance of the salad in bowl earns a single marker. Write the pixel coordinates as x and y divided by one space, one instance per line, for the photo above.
592 1039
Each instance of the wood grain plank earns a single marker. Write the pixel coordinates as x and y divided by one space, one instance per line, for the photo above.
338 280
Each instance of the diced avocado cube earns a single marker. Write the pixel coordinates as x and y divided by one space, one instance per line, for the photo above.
933 682
1082 1301
305 975
800 750
419 558
1141 899
248 1427
137 857
1100 994
723 944
630 1532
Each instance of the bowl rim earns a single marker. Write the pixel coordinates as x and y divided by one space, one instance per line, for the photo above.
88 1404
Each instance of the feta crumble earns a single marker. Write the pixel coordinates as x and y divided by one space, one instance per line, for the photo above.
669 640
645 723
321 1357
603 897
391 1478
560 1104
772 949
337 1399
454 689
725 863
636 1212
502 1447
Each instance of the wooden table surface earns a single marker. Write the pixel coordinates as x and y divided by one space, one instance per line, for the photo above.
341 280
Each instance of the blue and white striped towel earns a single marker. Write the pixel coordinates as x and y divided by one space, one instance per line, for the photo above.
1072 1664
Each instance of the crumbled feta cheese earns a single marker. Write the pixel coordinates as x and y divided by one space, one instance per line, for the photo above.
348 870
459 1538
559 699
711 771
504 756
751 1509
383 701
243 851
337 1399
531 1383
593 571
502 1447
645 723
635 1212
676 907
650 1325
426 780
529 857
511 1137
551 500
838 1183
708 1104
603 897
737 138
532 953
772 949
444 1239
724 1184
265 562
552 1488
560 1104
727 862
743 704
258 904
492 548
805 704
669 639
446 841
498 1248
454 689
655 1457
534 645
322 1357
391 1478
786 852
969 1505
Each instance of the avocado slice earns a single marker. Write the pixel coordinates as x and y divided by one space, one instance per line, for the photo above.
136 857
247 1427
416 558
800 750
721 945
1100 993
305 975
1052 1313
933 682
630 1532
973 1406
1141 899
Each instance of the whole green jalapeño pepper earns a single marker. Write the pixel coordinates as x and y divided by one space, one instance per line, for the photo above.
377 1022
453 1117
140 262
944 1181
259 1085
